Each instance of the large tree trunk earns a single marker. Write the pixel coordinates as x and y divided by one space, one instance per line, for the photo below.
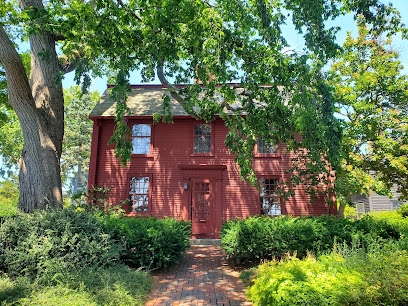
39 106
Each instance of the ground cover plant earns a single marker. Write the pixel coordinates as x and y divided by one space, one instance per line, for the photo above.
257 238
115 285
346 276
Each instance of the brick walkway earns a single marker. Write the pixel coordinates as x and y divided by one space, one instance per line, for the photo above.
202 278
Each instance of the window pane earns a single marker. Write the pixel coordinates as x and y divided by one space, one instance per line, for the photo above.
264 148
139 194
141 145
202 144
270 201
202 129
141 130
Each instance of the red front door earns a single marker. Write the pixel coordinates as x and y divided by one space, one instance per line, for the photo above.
202 208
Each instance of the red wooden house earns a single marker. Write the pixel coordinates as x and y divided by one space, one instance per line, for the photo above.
184 170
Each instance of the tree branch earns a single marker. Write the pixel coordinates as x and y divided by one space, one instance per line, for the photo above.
68 64
16 75
59 37
120 2
173 91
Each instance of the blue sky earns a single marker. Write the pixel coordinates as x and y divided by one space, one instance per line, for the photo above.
346 23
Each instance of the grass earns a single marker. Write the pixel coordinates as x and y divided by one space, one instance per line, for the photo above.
117 285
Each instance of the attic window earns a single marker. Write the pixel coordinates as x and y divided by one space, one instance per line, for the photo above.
202 138
141 138
270 201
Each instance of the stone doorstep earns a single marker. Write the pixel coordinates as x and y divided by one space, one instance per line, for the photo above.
204 242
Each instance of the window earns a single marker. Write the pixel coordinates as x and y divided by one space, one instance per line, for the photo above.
139 194
141 138
202 138
270 201
264 148
396 204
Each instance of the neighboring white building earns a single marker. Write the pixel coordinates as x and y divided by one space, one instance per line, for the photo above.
378 202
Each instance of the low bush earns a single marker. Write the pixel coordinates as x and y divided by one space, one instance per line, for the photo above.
115 285
48 243
8 208
149 242
394 219
257 238
8 197
403 210
346 276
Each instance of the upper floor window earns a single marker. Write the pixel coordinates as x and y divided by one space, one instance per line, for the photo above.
264 148
270 200
202 138
139 194
141 138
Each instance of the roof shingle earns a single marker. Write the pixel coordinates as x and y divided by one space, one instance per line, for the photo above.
142 101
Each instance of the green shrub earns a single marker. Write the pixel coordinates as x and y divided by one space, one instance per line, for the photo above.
47 243
377 227
9 197
257 238
403 210
8 208
393 219
115 285
346 276
149 242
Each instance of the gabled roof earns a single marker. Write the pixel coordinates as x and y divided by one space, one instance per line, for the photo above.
143 100
146 100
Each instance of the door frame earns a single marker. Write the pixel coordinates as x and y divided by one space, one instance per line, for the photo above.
208 225
213 173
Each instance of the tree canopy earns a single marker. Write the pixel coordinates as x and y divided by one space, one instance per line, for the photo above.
281 92
77 137
371 94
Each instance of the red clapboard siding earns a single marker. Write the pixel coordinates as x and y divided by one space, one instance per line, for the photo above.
172 148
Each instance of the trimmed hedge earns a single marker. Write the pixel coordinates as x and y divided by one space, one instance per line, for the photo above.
257 238
149 242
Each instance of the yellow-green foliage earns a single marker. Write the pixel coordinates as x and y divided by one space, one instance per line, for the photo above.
8 197
344 277
350 212
393 218
308 281
117 285
403 210
8 207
